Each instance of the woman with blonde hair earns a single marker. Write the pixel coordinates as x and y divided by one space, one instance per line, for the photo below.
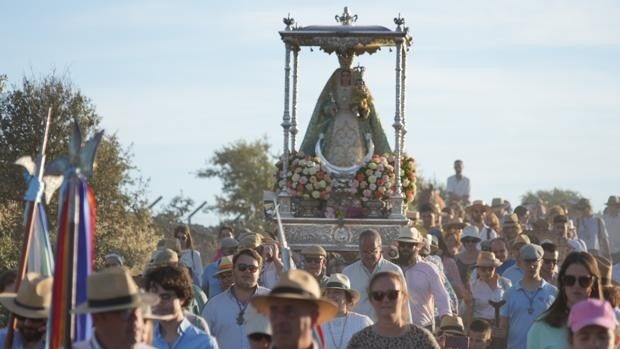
388 296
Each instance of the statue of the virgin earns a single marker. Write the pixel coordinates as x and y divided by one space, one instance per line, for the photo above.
345 130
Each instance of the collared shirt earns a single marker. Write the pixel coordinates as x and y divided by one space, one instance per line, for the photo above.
189 336
221 313
457 186
519 302
18 340
360 276
339 330
269 275
590 229
211 284
507 264
192 260
92 343
514 274
426 290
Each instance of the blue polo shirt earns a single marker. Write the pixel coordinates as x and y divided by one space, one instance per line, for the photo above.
518 302
507 264
209 281
189 337
514 273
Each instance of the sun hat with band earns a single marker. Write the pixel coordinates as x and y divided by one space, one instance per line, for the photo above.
456 222
452 324
313 250
410 235
487 259
113 289
297 285
338 281
225 264
33 298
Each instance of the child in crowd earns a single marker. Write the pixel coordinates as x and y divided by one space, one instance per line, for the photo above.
479 334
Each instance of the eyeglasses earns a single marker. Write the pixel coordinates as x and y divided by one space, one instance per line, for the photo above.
378 296
407 244
259 337
244 267
584 281
550 261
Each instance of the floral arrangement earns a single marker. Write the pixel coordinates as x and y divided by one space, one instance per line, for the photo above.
307 178
374 180
407 177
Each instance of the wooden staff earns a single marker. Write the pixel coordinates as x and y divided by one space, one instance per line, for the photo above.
31 209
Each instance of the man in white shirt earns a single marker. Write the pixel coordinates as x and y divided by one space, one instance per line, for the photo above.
370 263
591 230
458 185
612 223
225 313
477 211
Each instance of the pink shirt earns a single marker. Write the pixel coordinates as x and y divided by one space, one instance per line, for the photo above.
425 291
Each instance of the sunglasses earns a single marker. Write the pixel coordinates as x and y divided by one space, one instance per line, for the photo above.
315 260
378 296
550 261
259 337
243 267
584 281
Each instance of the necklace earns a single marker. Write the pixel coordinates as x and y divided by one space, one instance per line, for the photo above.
242 306
331 334
530 308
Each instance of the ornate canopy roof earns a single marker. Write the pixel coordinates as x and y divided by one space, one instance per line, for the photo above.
346 37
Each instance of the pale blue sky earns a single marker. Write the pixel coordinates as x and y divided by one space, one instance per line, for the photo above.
525 92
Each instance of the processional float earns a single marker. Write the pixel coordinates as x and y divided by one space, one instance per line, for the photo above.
344 177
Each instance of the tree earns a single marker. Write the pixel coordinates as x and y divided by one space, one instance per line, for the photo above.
245 170
552 197
123 223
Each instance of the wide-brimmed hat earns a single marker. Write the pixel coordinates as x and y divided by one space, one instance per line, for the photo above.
583 203
487 259
470 231
299 285
409 234
225 264
340 281
113 289
250 241
477 204
613 201
456 222
33 298
173 244
510 220
452 324
313 250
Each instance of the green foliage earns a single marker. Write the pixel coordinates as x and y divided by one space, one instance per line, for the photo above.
556 196
123 223
245 170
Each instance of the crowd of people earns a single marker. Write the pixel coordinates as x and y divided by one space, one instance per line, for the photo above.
468 276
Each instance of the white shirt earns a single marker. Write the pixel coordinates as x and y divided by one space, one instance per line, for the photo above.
360 276
269 275
482 294
339 330
426 290
458 187
221 313
191 259
612 223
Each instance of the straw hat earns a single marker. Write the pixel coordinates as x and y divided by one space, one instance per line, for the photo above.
297 284
470 231
313 250
510 220
163 257
113 289
33 298
409 234
521 239
477 204
456 222
487 259
256 322
225 264
250 241
452 324
340 281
